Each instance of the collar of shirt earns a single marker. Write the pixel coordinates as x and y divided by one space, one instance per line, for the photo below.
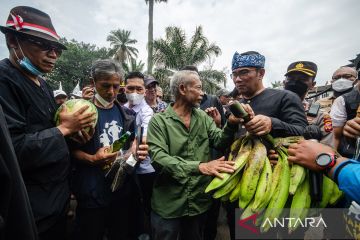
138 107
170 113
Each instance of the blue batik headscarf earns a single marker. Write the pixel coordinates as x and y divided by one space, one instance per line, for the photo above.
248 59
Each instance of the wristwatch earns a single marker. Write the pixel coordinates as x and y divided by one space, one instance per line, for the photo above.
326 160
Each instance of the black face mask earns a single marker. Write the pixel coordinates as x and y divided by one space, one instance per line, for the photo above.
297 87
121 97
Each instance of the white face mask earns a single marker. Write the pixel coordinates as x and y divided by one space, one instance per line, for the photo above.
342 85
134 98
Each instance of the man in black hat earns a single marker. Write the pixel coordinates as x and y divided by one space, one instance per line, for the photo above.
29 108
300 78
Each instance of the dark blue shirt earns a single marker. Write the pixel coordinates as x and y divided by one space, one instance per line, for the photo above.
89 185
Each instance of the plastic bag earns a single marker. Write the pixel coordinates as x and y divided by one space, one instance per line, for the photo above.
120 169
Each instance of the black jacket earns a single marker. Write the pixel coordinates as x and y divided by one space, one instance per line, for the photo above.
40 147
16 218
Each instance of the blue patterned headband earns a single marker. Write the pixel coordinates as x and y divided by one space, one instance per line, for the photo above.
247 60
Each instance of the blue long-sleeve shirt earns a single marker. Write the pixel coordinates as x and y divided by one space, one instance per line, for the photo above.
349 179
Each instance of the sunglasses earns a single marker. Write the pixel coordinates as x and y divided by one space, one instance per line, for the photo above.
45 46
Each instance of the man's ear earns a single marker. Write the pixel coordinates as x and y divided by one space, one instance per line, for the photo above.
182 89
261 73
11 41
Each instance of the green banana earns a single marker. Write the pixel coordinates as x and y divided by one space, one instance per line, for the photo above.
327 190
281 192
300 204
248 210
297 176
251 174
228 187
234 149
240 161
264 187
336 195
235 193
225 198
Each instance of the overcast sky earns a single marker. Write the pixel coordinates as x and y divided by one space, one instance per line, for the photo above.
323 31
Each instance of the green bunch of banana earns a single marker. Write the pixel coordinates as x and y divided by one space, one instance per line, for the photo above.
262 189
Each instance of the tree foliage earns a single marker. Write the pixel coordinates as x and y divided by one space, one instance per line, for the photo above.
133 66
74 64
121 43
150 33
277 84
174 52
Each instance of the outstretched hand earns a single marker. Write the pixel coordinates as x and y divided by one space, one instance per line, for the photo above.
216 167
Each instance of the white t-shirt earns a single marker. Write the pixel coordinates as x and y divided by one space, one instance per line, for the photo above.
338 112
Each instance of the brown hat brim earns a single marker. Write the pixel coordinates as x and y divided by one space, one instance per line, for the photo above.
26 33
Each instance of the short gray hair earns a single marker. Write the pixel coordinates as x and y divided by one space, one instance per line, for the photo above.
181 77
105 68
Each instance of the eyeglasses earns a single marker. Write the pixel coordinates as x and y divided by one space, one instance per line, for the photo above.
241 73
44 46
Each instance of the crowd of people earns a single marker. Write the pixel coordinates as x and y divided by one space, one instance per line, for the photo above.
178 147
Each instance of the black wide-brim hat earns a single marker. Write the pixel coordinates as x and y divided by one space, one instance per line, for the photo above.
28 21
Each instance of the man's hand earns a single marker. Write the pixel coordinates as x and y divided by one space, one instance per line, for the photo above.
82 137
352 128
74 122
103 156
87 93
215 167
259 125
305 153
234 120
213 112
273 157
140 152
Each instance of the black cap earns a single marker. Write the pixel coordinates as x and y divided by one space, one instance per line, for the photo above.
309 68
149 80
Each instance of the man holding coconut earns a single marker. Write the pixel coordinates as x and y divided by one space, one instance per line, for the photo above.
29 109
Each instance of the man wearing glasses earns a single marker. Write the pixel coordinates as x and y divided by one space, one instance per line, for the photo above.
277 112
29 109
156 104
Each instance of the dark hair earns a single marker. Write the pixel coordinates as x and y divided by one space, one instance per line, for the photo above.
190 68
134 75
105 68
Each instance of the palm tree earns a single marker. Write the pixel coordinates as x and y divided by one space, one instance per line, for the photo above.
150 33
175 52
277 84
211 80
121 42
133 66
